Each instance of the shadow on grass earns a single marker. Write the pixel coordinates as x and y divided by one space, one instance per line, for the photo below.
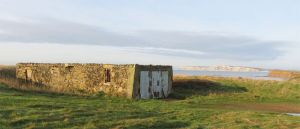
185 88
101 119
161 125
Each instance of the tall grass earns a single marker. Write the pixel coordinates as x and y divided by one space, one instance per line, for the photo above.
291 75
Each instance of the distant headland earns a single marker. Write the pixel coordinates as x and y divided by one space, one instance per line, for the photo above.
221 68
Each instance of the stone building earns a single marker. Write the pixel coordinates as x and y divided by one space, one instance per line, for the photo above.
131 81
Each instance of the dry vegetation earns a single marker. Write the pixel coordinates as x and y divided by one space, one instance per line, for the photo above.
291 75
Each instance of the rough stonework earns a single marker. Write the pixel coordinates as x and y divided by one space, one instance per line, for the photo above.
131 81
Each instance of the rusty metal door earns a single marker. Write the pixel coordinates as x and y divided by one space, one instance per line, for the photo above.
145 90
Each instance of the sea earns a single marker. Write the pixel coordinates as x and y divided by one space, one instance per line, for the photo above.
261 75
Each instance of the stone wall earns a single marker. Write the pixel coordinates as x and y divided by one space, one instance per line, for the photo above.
114 80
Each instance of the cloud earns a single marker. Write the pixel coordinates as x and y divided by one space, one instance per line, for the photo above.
172 43
215 45
165 51
55 31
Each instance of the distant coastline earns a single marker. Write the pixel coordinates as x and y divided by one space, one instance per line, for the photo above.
221 68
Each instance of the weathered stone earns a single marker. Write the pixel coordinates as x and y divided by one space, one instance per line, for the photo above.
117 80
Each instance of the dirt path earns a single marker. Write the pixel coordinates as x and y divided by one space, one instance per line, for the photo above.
284 108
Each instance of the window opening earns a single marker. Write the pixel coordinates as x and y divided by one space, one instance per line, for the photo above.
107 76
69 68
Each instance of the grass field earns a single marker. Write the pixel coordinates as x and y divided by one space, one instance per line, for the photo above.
196 102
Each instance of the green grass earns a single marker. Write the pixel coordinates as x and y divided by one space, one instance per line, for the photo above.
233 90
197 102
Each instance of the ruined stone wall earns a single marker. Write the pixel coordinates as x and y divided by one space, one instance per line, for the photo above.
86 77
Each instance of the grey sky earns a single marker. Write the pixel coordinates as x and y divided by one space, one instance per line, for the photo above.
252 33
